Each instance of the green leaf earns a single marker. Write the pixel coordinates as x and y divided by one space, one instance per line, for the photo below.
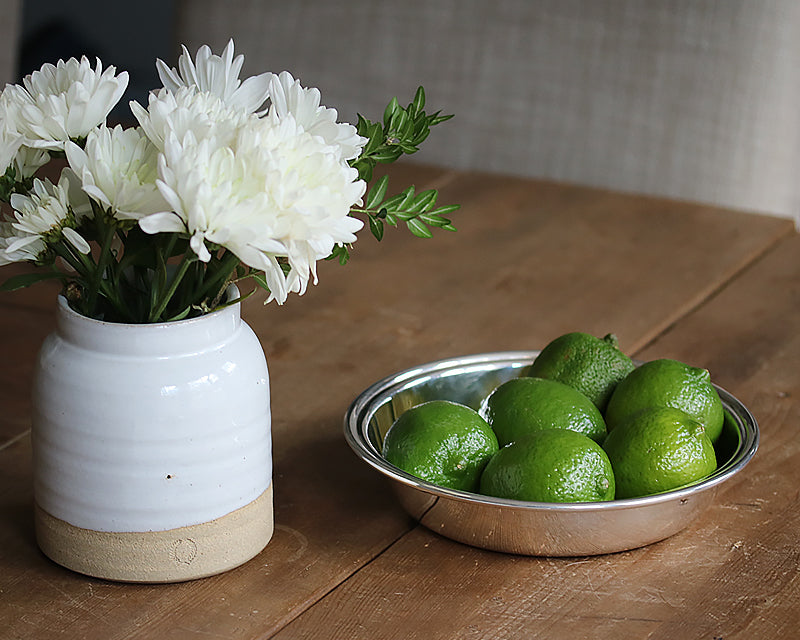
443 211
408 197
341 253
390 110
419 101
260 279
27 279
419 229
408 148
374 133
376 227
400 123
405 216
439 119
420 137
435 221
181 315
424 201
387 154
393 203
377 193
364 167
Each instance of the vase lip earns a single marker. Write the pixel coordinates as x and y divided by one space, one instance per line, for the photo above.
232 292
160 339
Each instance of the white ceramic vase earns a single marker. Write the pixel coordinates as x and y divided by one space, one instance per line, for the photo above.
152 447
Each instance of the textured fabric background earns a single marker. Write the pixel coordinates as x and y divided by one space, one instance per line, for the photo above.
693 99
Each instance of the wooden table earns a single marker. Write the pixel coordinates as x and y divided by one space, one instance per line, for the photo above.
531 260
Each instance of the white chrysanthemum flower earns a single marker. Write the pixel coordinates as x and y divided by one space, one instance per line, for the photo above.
47 212
215 198
188 111
10 143
289 97
218 75
61 102
118 168
29 160
25 160
310 193
278 192
26 253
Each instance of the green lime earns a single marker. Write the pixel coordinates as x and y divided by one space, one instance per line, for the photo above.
668 383
521 406
657 450
591 365
442 442
554 465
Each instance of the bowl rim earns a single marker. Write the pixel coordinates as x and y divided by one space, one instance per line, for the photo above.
363 407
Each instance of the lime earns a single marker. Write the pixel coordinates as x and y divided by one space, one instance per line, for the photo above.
442 442
591 365
554 465
668 383
657 450
521 406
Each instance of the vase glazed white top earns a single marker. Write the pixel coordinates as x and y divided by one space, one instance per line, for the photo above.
150 427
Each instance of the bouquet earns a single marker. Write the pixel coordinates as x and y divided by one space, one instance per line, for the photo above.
222 181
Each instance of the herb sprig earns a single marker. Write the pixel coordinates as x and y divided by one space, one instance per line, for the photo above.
402 131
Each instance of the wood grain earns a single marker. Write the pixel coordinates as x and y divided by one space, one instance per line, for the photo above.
733 574
23 330
531 260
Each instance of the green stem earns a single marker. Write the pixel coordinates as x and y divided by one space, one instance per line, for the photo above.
82 265
87 270
165 298
220 281
79 264
103 261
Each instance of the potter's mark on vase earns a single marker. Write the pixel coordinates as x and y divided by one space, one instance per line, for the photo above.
184 551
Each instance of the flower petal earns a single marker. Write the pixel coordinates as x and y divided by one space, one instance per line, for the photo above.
76 240
164 222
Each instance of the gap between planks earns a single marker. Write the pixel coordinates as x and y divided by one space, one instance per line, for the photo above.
709 294
312 602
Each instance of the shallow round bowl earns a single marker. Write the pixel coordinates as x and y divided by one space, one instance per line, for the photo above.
529 528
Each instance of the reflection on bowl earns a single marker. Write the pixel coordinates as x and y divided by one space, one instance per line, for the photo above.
529 528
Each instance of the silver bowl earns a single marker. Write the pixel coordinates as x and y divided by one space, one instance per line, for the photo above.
529 528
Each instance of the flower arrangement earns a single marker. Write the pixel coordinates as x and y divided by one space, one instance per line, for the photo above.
221 181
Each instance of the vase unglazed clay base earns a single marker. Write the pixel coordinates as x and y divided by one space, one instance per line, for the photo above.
175 555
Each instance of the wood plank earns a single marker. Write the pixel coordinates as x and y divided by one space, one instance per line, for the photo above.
530 260
39 297
23 329
732 574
